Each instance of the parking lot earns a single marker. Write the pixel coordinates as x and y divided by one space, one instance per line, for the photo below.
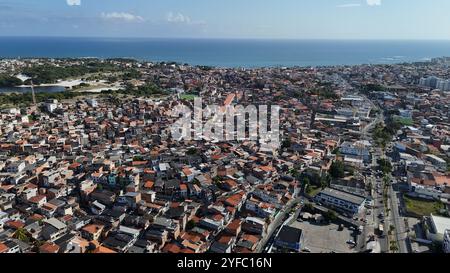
325 238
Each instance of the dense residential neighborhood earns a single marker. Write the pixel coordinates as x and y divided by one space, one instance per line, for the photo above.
363 164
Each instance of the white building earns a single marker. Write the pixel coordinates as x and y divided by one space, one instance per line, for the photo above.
341 200
51 105
357 148
437 226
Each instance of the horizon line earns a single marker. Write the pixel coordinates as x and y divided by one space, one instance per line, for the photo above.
224 38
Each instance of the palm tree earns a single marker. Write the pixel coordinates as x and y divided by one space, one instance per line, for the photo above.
22 235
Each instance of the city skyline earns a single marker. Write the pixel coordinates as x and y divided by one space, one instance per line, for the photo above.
289 19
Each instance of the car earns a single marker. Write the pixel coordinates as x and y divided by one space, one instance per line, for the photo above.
351 242
307 250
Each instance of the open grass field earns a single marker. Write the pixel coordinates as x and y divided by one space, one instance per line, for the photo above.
422 207
188 97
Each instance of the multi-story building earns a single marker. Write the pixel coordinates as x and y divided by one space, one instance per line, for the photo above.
341 200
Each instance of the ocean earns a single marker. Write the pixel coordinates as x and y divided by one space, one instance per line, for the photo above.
231 52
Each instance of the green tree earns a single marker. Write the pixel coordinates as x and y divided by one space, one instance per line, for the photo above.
385 165
9 81
22 235
337 169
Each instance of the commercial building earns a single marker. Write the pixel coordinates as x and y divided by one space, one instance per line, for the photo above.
341 200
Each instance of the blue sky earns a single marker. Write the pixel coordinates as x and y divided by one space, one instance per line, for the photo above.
291 19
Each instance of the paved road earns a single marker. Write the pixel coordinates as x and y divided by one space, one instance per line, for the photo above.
394 218
398 221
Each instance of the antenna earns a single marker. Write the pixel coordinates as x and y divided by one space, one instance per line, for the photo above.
32 93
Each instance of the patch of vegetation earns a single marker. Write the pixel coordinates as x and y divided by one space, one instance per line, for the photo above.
26 99
51 74
385 165
337 169
188 97
372 87
132 74
324 93
421 207
330 216
147 90
9 81
312 177
384 134
313 190
404 121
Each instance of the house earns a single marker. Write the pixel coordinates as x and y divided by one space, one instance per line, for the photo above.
162 228
214 223
130 198
224 244
260 209
49 248
16 167
254 225
122 239
92 232
3 248
97 208
249 241
53 229
234 228
104 197
37 201
11 246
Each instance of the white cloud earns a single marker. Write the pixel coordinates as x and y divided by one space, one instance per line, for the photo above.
178 18
349 5
374 2
73 2
122 16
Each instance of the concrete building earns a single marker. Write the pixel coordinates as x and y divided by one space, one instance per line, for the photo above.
289 238
358 149
437 227
341 200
